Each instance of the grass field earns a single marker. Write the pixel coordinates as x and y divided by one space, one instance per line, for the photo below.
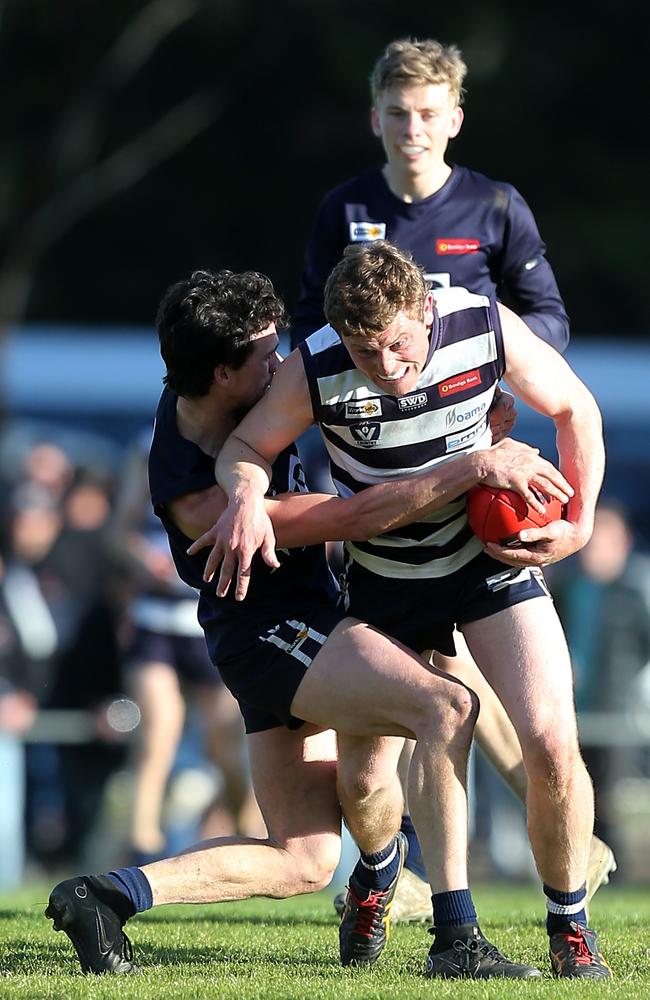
266 949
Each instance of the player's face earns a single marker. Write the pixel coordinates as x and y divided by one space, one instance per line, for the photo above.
254 377
394 359
415 124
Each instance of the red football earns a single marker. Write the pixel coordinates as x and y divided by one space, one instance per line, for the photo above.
498 515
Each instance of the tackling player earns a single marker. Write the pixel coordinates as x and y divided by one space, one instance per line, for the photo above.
299 667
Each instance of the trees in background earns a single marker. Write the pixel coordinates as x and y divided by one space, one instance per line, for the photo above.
142 138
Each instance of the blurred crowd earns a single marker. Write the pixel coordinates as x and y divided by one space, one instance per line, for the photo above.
118 742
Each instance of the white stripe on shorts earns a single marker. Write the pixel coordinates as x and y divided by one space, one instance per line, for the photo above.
293 648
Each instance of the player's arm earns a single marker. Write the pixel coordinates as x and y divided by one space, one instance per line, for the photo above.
542 379
306 519
525 278
243 470
310 518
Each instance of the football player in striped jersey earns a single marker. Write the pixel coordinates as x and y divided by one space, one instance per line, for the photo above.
400 383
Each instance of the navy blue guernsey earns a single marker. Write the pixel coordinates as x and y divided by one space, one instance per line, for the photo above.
178 467
473 232
372 437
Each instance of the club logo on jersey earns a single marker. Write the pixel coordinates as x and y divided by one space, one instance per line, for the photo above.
412 402
363 408
364 232
456 244
459 416
367 433
466 380
455 441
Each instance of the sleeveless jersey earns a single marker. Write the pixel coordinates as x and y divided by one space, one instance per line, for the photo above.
372 437
178 467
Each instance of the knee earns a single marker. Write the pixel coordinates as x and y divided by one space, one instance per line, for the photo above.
552 761
356 786
313 870
452 715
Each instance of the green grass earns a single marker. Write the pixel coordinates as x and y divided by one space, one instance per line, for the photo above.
266 949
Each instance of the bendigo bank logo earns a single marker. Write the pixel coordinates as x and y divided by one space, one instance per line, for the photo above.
455 244
367 433
459 383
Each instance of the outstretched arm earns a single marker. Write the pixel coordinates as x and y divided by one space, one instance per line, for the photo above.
543 380
309 518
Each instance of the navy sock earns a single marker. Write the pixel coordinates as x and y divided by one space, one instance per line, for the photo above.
563 908
377 871
451 909
414 861
134 883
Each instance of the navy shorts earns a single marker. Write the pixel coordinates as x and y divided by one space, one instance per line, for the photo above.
188 655
272 657
423 613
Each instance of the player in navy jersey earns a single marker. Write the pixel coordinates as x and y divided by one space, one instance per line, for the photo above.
463 229
299 667
405 387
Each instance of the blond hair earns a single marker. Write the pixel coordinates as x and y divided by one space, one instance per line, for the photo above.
417 64
368 287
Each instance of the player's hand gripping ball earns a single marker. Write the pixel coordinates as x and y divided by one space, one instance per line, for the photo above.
498 515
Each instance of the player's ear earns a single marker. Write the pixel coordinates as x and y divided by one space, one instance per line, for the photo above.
375 124
457 117
221 374
429 308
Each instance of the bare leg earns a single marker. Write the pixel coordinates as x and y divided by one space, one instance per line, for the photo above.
534 684
226 747
294 776
367 685
157 692
369 789
494 733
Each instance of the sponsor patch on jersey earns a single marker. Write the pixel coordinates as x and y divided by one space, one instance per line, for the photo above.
362 232
363 408
366 434
463 414
466 380
455 441
456 244
412 402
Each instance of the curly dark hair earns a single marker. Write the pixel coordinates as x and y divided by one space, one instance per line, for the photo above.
208 320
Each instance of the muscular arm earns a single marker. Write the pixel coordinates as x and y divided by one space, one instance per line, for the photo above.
309 518
543 380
